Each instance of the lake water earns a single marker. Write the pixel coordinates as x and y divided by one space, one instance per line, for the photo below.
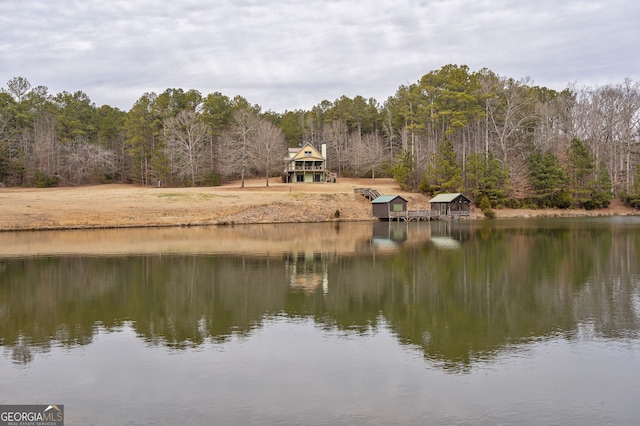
523 322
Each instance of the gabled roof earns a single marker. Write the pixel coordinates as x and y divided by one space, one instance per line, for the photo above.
300 155
383 199
448 198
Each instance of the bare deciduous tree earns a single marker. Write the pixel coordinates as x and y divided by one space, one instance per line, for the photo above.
335 135
251 145
186 140
268 145
84 160
608 120
368 154
510 116
236 145
45 155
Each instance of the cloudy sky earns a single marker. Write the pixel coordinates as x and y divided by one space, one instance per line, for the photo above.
289 54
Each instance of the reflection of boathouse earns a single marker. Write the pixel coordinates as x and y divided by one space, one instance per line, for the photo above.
388 235
391 236
449 235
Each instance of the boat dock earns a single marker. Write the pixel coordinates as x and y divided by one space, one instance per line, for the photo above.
414 215
394 207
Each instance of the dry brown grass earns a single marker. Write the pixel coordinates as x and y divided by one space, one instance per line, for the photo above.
116 206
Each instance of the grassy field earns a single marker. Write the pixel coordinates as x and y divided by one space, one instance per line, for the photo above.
119 206
114 206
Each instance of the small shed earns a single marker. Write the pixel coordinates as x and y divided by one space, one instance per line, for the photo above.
384 204
453 205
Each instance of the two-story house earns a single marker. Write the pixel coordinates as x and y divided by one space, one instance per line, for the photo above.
306 164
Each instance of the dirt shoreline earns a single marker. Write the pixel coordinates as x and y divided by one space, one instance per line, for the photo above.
127 206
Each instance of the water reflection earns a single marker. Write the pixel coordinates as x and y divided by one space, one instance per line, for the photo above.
248 240
460 292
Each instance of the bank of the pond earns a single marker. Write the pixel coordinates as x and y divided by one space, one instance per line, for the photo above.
119 206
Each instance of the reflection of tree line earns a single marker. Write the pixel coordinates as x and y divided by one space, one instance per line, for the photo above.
456 305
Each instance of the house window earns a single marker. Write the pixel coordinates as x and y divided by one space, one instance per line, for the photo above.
397 208
307 153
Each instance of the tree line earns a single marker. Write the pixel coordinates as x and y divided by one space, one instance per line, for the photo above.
501 140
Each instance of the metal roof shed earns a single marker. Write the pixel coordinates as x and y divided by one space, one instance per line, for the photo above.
388 203
455 205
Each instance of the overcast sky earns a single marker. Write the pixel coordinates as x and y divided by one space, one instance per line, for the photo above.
288 54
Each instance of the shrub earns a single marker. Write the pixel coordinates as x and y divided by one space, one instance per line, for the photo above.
561 200
513 203
485 206
41 180
489 213
210 179
484 203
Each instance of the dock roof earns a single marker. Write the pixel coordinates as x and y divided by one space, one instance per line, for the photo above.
447 198
386 199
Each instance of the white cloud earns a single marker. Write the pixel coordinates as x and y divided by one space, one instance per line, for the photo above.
288 54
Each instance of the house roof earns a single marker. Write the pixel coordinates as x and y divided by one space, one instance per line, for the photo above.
383 199
447 198
300 155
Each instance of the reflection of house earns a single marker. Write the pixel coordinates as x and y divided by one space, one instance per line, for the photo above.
385 204
452 205
308 272
306 164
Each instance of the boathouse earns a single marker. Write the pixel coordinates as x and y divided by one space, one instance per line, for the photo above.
455 206
385 204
